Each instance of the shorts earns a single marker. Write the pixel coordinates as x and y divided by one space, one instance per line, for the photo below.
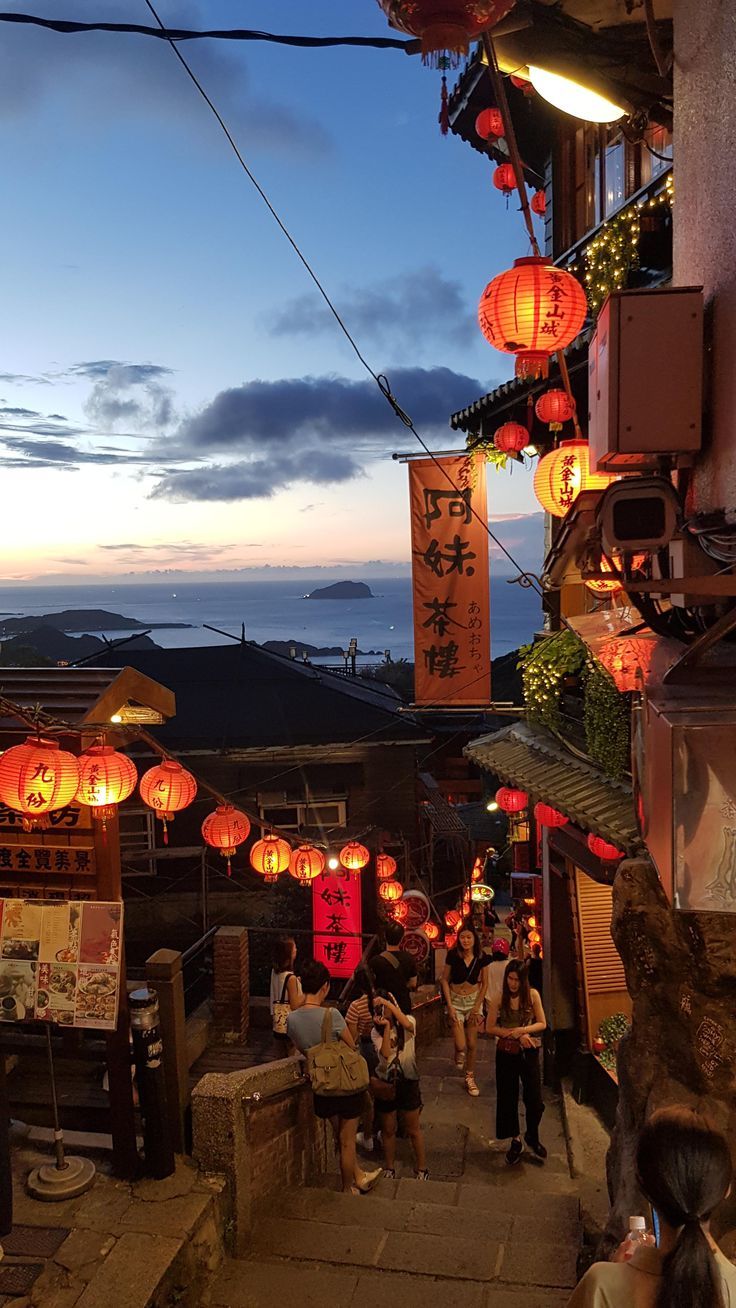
346 1106
407 1099
462 1007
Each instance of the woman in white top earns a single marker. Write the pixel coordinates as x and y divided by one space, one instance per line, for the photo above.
285 987
684 1170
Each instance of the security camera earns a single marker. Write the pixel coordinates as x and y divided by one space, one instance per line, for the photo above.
640 513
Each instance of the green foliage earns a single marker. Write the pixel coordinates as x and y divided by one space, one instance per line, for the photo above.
613 1028
543 668
485 446
607 720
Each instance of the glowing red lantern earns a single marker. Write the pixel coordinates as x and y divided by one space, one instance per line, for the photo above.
270 857
477 873
453 918
224 830
399 911
511 438
546 816
606 852
555 407
450 939
538 203
532 310
306 863
385 867
534 938
563 474
106 778
354 856
604 585
504 178
36 778
627 660
522 84
511 801
390 891
431 930
167 788
444 25
489 124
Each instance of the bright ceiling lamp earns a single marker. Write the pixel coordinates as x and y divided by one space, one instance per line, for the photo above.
572 98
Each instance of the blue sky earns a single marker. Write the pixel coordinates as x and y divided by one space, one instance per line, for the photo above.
184 400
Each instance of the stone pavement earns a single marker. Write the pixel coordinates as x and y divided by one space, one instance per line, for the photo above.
478 1234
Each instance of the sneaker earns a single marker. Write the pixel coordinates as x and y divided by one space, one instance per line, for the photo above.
470 1085
460 1060
536 1145
369 1180
421 1176
389 1174
513 1154
364 1142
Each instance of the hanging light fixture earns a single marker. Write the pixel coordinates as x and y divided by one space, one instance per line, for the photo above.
489 124
573 98
532 310
306 864
385 867
555 407
399 911
390 891
36 778
604 850
511 438
270 857
453 918
512 801
106 778
224 830
444 27
504 178
560 477
538 203
354 856
431 930
167 788
450 939
546 816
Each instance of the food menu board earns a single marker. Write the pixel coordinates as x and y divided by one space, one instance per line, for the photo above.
60 962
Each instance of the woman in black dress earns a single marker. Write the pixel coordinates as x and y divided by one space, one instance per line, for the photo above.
517 1020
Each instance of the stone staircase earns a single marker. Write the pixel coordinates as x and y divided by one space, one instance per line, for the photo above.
478 1235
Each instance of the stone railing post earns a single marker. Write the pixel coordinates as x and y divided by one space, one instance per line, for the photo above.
164 975
231 993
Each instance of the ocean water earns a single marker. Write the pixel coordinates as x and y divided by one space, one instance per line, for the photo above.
276 610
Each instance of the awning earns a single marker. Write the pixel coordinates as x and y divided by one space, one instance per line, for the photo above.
536 762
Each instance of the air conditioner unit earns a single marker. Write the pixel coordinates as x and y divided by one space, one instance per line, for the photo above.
640 513
645 383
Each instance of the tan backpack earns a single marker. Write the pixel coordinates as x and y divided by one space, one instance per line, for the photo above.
333 1067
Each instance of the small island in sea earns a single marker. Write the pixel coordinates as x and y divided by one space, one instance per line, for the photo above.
82 620
342 590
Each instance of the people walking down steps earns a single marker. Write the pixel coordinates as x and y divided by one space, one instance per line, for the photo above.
308 1027
396 1083
463 984
517 1020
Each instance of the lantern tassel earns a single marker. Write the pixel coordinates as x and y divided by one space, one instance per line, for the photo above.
166 831
444 115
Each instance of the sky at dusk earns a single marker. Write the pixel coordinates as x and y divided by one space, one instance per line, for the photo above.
173 394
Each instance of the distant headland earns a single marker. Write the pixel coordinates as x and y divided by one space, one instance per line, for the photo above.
342 590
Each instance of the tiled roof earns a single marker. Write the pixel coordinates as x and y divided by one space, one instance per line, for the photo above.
534 761
517 389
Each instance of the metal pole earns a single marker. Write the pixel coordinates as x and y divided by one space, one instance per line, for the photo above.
158 1150
68 1177
58 1133
205 902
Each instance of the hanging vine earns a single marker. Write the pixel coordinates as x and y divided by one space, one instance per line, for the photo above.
607 721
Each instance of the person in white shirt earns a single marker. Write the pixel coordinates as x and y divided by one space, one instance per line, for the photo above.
684 1171
500 950
285 991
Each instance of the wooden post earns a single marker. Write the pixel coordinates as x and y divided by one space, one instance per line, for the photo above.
164 975
122 1114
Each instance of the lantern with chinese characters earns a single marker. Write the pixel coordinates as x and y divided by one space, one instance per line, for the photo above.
489 124
511 801
604 585
36 778
627 661
444 27
563 474
555 407
354 856
106 778
431 930
385 867
511 438
453 918
306 863
224 830
167 788
450 939
504 178
538 203
399 911
390 891
603 850
532 310
546 816
270 857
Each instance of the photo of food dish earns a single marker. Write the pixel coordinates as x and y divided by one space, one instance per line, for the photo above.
24 949
17 991
97 997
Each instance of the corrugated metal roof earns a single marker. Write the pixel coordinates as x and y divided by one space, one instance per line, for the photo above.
536 762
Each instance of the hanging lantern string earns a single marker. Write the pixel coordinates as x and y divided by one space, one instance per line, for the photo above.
499 91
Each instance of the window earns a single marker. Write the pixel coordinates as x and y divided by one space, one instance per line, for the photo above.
136 837
314 814
659 140
614 175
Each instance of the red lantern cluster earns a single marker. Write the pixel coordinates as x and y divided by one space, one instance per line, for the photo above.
224 830
555 407
603 850
270 857
532 310
489 124
106 778
354 856
511 438
36 778
444 26
167 788
511 801
504 178
546 816
385 867
306 863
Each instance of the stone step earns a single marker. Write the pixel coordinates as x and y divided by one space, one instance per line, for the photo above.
261 1283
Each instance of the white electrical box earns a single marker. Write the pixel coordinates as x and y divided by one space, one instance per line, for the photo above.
645 379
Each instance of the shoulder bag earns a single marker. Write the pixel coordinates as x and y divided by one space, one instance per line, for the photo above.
333 1067
282 1008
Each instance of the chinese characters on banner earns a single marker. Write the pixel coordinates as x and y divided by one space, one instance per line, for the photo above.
337 921
452 635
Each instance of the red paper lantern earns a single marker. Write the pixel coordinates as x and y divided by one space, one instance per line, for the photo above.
36 778
354 856
511 801
628 661
532 310
431 930
522 83
603 850
306 863
555 407
450 939
399 911
270 857
532 923
390 891
534 938
563 474
489 124
603 585
444 26
477 873
385 867
167 788
511 438
538 203
546 816
106 778
453 918
224 830
504 178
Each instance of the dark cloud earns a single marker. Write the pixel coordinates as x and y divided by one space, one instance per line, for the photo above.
7 412
258 479
22 378
415 309
55 452
129 393
128 374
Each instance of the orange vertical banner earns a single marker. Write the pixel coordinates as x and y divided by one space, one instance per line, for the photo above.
450 576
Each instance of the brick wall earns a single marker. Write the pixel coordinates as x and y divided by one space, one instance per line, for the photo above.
230 993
